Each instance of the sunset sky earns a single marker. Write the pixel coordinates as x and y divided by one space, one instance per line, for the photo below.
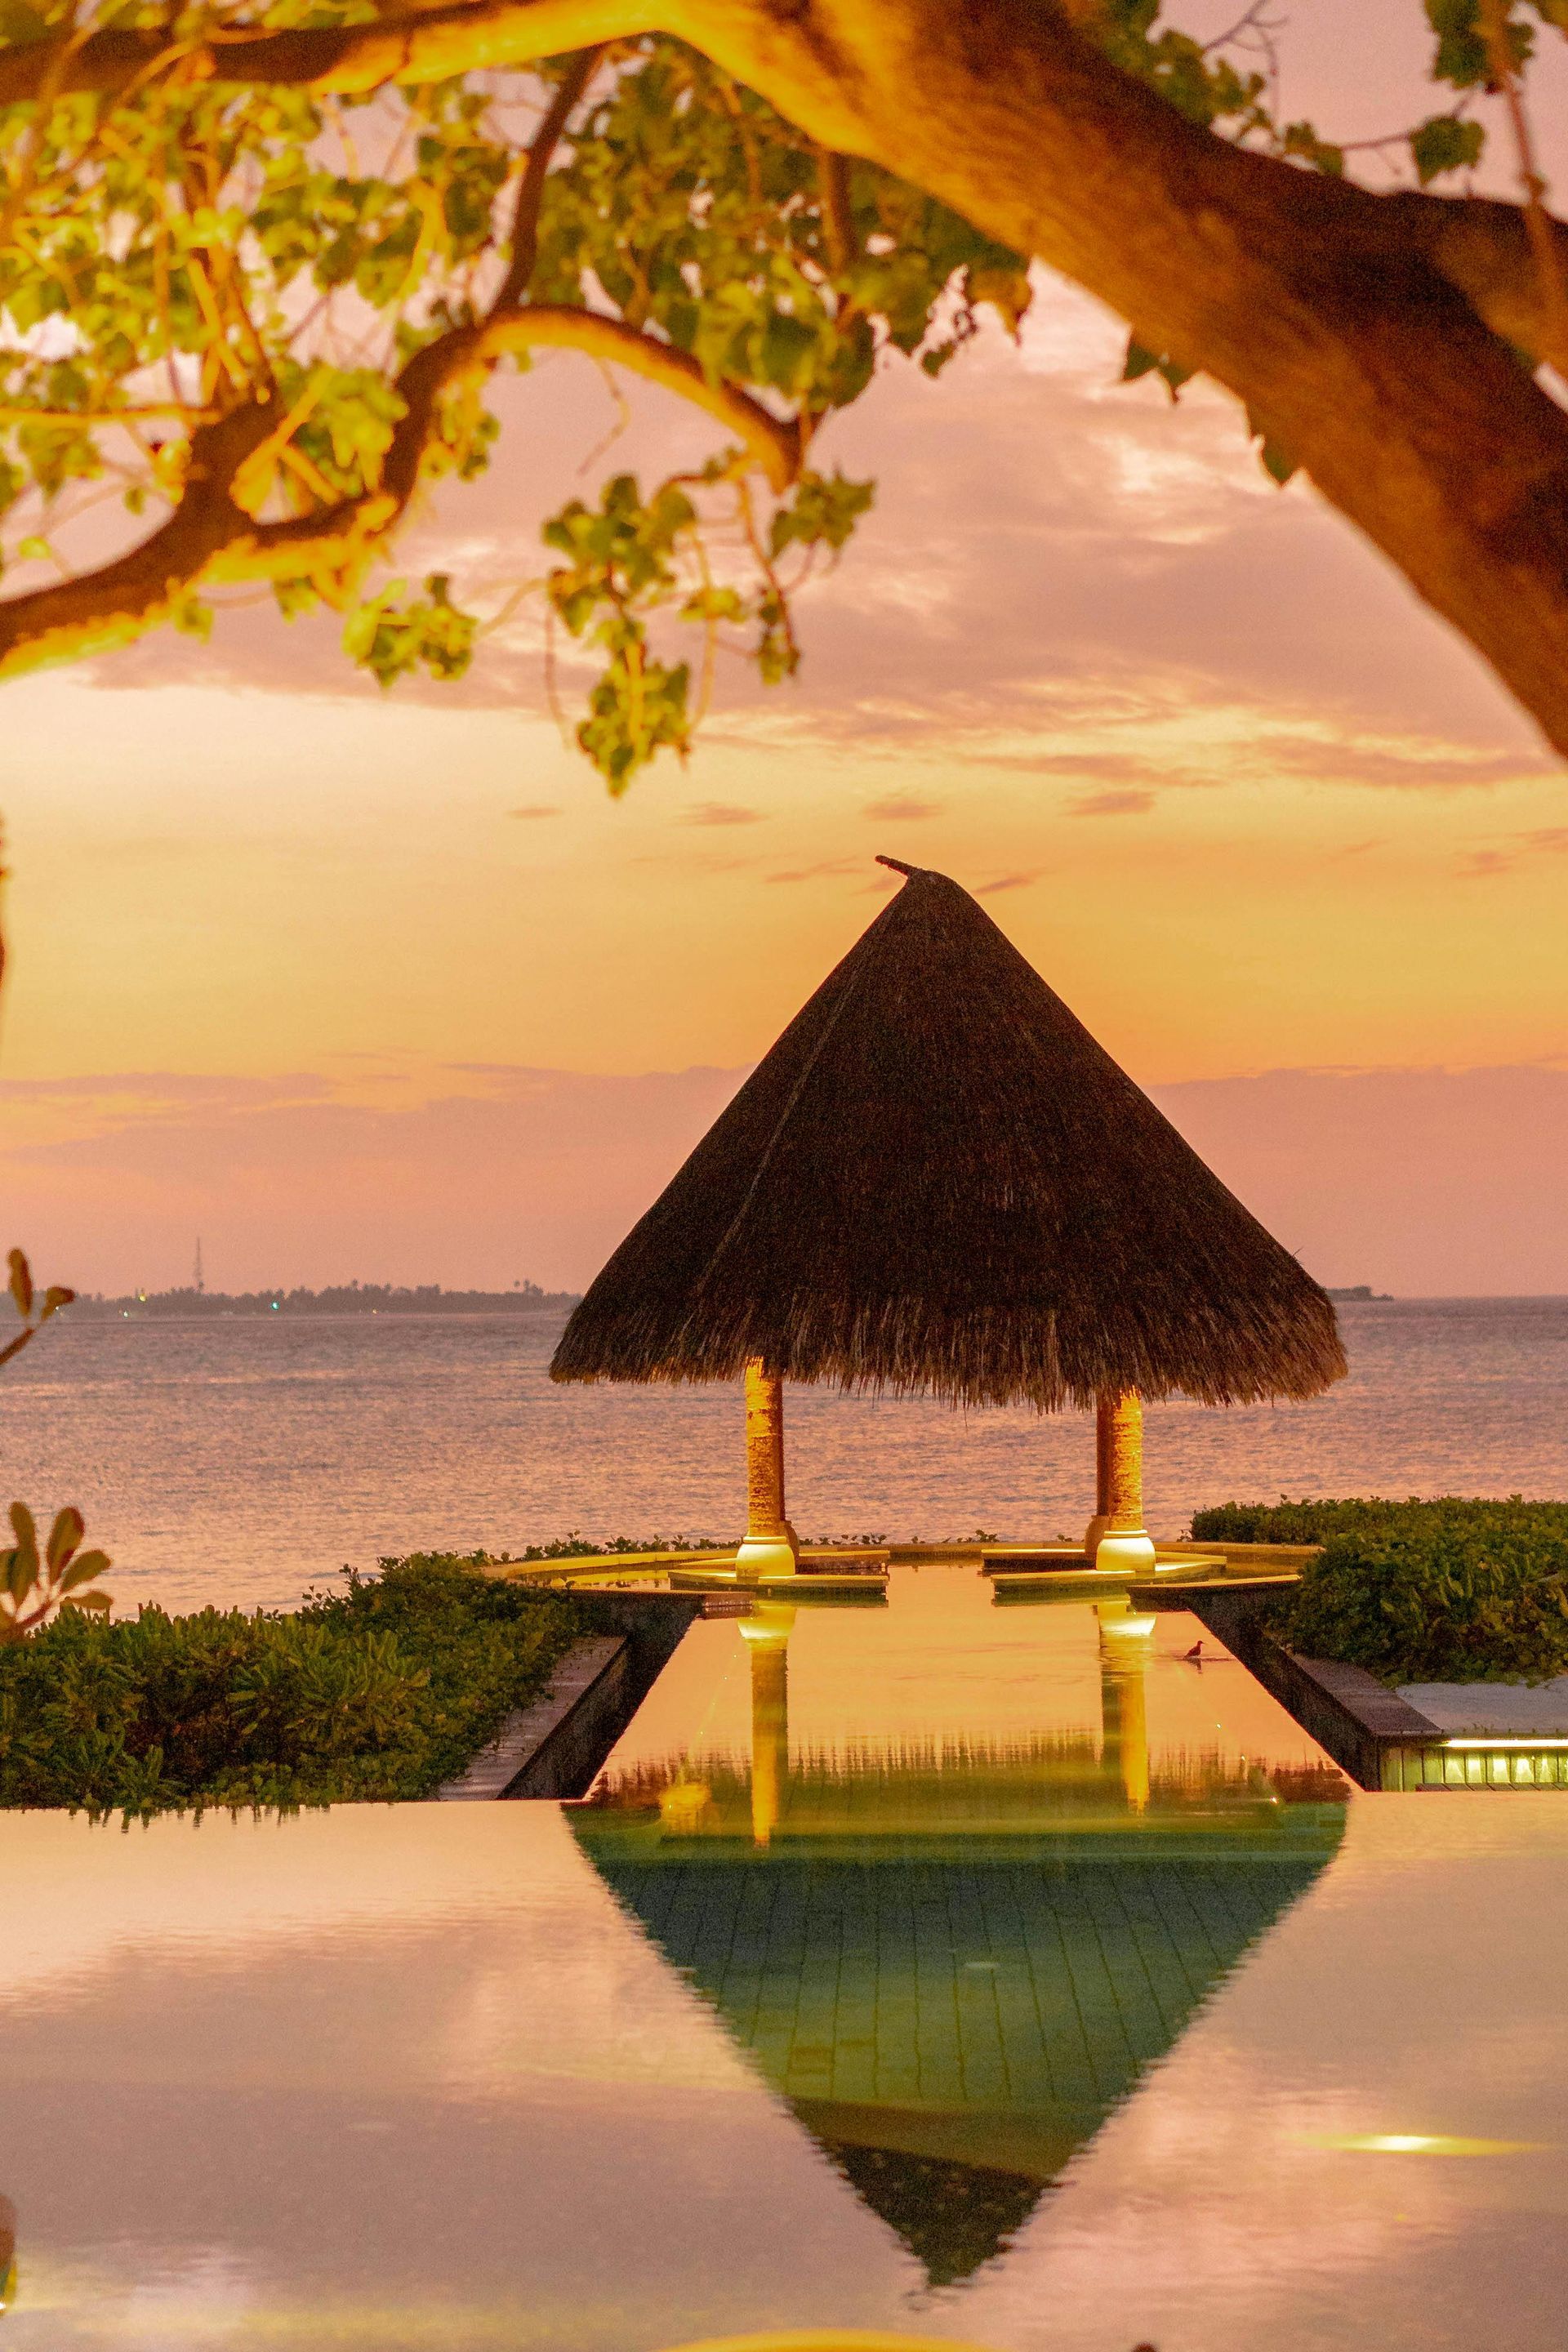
386 986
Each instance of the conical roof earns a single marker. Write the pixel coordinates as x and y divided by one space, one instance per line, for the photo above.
937 1181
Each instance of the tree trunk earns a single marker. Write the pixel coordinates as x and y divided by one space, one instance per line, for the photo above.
1354 328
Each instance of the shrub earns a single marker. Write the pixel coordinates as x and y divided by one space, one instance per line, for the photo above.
1304 1522
376 1693
1445 1592
574 1545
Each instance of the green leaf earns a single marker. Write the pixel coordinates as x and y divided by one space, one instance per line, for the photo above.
1278 461
1445 144
1141 361
83 1569
391 638
64 1538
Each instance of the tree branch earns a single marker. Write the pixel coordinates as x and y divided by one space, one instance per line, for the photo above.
1361 330
838 213
1368 333
415 44
531 192
210 540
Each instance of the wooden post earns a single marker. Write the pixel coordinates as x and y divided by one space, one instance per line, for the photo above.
1116 1536
770 1548
1122 1420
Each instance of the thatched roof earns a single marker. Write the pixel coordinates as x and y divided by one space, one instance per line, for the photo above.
937 1181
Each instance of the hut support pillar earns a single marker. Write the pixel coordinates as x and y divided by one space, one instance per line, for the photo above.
1116 1537
770 1548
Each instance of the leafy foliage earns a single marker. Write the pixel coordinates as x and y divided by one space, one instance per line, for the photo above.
377 1693
37 1579
1445 1589
573 1546
261 320
1438 1600
34 1310
1307 1521
206 254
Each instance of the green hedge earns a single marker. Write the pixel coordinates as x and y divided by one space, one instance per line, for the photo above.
377 1693
1303 1522
1444 1592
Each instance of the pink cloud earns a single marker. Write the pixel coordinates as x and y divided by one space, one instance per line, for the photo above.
1124 804
719 813
900 808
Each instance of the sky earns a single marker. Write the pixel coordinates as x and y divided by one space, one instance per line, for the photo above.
355 985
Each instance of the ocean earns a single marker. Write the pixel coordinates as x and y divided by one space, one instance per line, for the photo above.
245 1461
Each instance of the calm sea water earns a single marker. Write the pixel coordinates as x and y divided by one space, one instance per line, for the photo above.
240 1462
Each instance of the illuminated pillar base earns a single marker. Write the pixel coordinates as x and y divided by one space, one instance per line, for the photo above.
770 1555
1116 1540
1125 1551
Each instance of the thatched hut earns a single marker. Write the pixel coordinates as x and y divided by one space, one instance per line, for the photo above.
937 1182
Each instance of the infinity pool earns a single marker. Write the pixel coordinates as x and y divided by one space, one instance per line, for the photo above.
960 1967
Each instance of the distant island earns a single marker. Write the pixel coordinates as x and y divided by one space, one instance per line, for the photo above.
1363 1290
339 1298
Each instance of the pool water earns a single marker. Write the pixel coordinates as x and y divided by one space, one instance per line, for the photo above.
953 1967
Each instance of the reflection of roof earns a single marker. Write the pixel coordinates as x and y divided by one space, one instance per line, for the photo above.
950 2030
937 1179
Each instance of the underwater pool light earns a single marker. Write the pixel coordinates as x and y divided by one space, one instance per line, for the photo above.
1418 2144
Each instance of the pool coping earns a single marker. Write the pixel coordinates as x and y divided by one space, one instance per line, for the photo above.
553 1747
580 1683
1372 1734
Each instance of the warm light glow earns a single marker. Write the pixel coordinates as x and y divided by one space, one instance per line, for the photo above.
1486 1742
827 2339
1417 2144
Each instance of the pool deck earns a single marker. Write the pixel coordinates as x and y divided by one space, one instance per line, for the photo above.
840 1566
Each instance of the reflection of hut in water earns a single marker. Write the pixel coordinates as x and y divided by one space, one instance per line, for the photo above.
953 1962
937 1182
952 2026
8 2253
